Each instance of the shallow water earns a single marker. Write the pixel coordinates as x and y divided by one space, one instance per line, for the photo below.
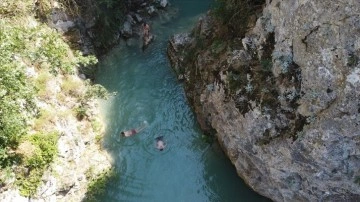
189 169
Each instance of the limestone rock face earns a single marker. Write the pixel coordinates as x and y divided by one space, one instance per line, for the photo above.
178 43
60 21
80 157
283 101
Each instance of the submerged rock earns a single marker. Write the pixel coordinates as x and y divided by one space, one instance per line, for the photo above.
126 30
151 10
163 3
284 100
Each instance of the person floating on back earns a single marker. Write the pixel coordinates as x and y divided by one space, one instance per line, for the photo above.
160 144
134 131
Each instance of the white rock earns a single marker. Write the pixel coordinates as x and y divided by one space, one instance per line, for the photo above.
64 26
163 3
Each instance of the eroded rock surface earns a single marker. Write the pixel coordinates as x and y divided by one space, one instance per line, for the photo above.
80 157
283 101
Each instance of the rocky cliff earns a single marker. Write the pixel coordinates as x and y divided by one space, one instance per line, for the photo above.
283 98
57 153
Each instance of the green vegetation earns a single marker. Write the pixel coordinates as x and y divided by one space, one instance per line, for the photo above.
92 92
97 186
16 94
34 59
98 129
96 91
72 86
24 47
81 112
38 152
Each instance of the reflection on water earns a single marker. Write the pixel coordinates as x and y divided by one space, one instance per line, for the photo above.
189 169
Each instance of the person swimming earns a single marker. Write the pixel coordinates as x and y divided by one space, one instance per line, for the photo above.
134 131
147 36
146 30
160 144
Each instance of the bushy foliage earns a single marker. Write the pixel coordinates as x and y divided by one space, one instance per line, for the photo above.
96 91
46 149
31 54
81 112
44 152
12 8
97 185
16 94
26 44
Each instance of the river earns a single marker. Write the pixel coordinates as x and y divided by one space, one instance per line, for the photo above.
189 169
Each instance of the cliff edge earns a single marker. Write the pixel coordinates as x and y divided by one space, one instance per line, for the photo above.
282 98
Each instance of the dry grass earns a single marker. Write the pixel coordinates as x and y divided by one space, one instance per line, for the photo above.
72 86
41 84
45 121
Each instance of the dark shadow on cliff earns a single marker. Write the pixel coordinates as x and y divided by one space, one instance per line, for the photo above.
216 179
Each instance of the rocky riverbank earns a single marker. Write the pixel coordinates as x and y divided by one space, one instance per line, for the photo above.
282 98
65 101
87 29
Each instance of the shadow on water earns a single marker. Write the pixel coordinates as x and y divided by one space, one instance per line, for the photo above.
189 169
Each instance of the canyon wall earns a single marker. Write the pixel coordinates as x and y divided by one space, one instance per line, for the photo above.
282 99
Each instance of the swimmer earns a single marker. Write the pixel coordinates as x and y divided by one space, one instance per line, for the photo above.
134 131
147 36
160 144
146 30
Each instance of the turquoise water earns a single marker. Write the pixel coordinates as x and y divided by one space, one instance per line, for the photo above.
189 169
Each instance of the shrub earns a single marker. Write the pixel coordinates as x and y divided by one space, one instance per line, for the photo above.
45 117
72 87
11 8
96 91
26 43
41 84
97 186
97 127
17 105
81 112
44 152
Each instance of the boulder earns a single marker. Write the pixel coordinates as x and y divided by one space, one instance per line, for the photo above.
151 10
138 18
163 3
64 26
126 30
60 21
